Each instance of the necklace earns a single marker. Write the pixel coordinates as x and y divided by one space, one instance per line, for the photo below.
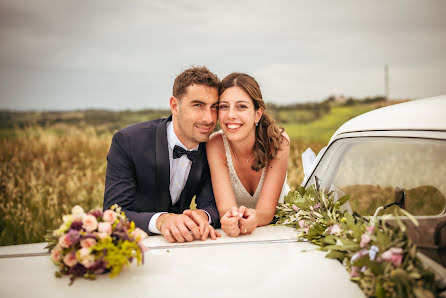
236 155
250 156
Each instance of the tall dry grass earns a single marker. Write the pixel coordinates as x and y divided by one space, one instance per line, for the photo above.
44 172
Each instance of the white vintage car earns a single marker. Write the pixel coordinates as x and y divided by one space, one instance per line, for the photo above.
400 146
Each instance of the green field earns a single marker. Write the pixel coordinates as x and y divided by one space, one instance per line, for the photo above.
323 128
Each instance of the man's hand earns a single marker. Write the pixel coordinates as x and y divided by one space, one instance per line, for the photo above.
177 227
230 222
202 220
248 222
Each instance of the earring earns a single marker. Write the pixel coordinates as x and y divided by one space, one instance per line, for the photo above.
257 123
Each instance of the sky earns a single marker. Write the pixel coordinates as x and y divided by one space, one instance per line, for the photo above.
108 54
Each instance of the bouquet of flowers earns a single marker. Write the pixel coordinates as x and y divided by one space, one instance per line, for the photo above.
381 258
95 242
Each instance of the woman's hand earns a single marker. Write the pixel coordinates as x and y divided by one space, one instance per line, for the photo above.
230 222
248 220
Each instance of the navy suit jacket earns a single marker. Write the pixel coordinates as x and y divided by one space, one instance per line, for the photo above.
138 175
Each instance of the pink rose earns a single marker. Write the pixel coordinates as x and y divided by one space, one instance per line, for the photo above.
109 216
64 241
354 272
56 254
369 229
105 227
70 259
88 242
365 239
394 254
89 223
139 234
317 206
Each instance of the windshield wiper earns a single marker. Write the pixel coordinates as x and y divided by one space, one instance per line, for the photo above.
400 201
400 198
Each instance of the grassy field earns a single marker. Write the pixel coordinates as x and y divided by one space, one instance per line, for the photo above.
323 128
58 160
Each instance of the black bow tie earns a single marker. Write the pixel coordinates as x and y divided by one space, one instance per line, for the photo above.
192 155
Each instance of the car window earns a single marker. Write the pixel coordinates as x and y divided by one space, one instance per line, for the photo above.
371 169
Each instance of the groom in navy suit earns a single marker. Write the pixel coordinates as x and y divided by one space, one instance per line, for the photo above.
155 168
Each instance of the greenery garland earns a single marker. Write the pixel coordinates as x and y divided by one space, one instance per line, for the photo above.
380 258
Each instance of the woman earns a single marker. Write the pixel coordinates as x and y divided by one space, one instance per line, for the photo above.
248 158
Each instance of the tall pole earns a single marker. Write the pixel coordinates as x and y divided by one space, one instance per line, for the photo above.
386 80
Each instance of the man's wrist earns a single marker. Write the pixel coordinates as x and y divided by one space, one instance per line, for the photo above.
161 220
205 215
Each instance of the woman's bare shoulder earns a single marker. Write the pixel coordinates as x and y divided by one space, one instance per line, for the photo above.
215 143
285 141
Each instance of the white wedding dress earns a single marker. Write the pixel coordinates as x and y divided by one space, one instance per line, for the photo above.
242 196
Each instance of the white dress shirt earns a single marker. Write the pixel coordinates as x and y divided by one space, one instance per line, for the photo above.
179 172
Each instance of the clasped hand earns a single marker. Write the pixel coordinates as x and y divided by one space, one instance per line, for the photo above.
239 221
192 224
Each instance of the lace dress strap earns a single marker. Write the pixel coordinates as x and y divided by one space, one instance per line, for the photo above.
242 196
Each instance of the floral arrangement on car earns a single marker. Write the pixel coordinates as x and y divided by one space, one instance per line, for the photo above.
95 242
379 257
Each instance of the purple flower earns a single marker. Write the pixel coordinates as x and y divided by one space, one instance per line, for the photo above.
73 236
96 213
76 225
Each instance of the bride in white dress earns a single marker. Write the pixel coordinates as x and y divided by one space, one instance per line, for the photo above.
248 158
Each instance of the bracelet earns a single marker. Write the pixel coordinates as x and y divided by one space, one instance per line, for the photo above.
162 220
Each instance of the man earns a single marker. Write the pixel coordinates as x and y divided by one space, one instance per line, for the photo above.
155 168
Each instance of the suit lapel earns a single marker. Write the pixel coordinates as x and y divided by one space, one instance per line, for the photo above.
162 167
193 180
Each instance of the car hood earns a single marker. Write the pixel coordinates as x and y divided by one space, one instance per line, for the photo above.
268 263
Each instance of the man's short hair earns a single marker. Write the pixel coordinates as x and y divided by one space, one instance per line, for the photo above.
194 75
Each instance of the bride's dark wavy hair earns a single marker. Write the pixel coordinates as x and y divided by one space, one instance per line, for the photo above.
268 134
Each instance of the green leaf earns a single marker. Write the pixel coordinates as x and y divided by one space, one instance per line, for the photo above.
383 240
376 267
343 200
330 239
379 290
334 254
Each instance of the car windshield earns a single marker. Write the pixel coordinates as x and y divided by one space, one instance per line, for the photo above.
372 169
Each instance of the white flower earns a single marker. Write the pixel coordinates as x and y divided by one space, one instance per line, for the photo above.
77 212
85 257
